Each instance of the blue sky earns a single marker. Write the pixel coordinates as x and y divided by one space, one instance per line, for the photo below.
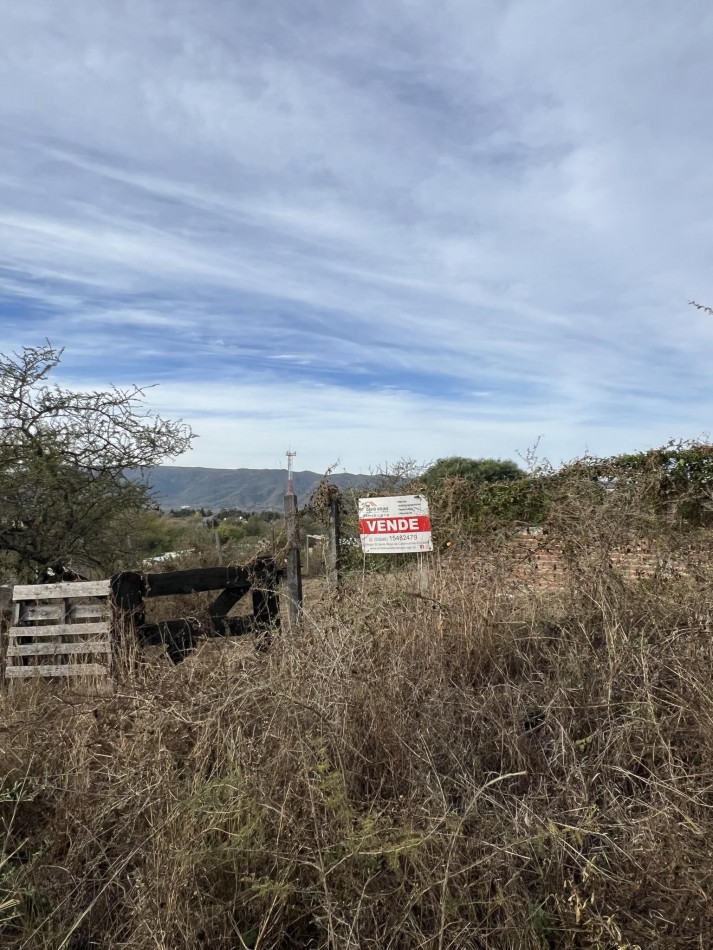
370 230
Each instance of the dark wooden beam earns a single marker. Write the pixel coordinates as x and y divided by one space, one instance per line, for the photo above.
176 635
128 590
266 606
225 602
232 627
196 580
261 576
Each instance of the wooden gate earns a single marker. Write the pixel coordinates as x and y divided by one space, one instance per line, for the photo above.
131 591
60 630
67 629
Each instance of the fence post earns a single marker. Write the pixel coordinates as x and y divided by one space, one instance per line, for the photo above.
334 559
5 621
423 579
128 589
266 603
128 612
293 579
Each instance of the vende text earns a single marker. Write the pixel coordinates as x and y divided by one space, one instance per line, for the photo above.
394 525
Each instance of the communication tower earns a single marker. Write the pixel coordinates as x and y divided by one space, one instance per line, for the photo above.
290 482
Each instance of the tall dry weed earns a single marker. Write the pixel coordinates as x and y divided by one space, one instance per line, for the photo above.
489 767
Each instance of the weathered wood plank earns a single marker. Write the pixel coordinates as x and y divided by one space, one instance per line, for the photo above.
62 630
45 612
57 649
60 591
73 669
88 611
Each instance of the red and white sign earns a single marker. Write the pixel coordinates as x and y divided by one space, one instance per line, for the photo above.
398 525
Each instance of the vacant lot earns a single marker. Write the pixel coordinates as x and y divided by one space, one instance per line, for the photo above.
491 767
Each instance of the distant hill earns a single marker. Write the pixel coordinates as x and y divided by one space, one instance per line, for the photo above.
251 489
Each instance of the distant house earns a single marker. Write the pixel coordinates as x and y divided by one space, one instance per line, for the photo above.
168 556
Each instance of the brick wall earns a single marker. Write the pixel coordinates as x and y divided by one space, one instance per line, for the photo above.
540 562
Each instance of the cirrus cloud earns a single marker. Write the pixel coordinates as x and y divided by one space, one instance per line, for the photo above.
370 231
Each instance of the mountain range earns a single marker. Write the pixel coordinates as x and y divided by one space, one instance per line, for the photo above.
250 489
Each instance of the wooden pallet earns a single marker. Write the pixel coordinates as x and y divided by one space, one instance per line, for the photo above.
60 630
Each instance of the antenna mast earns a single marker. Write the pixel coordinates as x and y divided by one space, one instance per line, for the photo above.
290 482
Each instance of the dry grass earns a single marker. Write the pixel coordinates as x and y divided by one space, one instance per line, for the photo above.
484 769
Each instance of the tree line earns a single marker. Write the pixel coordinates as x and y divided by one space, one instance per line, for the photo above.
72 491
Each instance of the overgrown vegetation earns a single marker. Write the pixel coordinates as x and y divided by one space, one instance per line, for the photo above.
475 471
670 485
69 491
229 537
493 766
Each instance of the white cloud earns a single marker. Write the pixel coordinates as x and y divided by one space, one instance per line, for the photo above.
502 198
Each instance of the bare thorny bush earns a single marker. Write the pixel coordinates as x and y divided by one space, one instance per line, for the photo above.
490 767
70 467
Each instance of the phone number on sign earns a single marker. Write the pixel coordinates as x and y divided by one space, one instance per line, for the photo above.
394 537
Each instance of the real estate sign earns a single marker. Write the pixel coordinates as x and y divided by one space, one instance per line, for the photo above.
395 525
